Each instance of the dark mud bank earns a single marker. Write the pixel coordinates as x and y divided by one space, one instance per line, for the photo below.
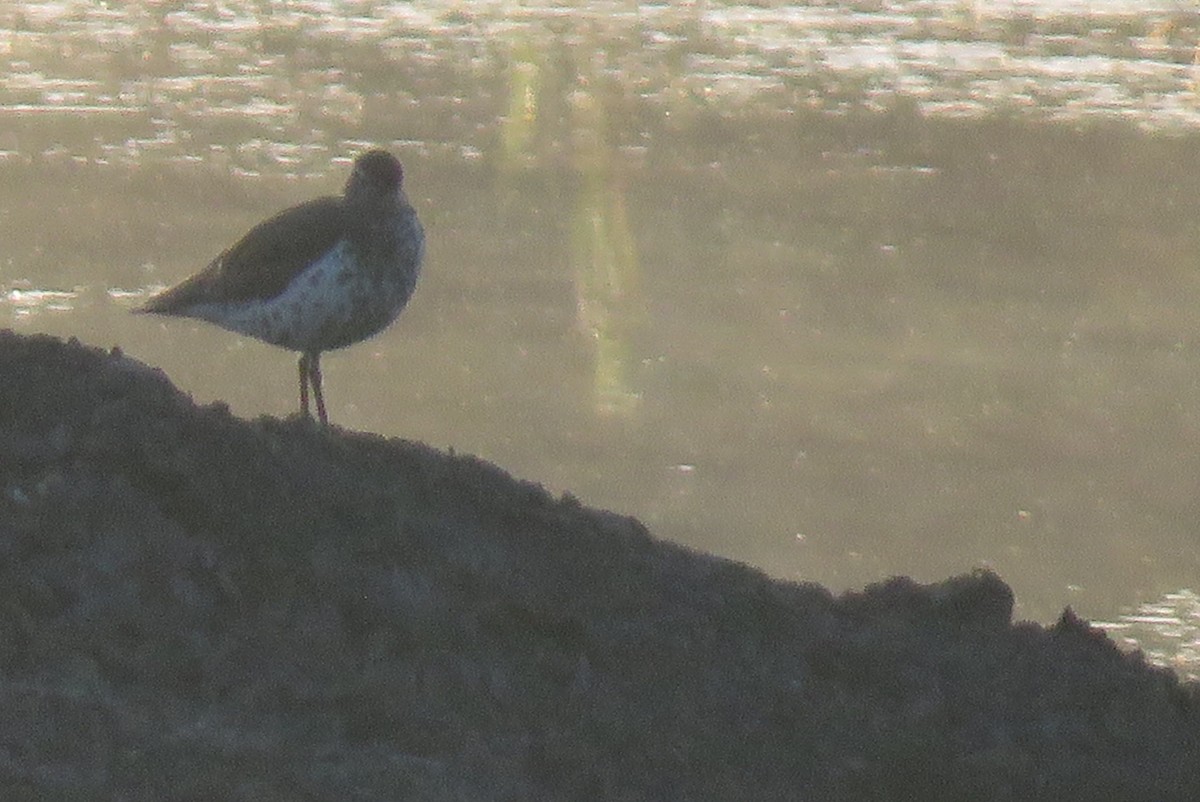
194 606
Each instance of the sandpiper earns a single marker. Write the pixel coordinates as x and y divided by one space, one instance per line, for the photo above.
319 276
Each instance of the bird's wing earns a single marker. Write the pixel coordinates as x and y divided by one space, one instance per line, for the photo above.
260 264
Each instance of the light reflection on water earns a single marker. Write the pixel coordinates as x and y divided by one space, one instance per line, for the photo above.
643 285
1167 630
1059 59
27 301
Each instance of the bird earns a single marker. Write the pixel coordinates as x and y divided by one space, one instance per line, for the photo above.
316 277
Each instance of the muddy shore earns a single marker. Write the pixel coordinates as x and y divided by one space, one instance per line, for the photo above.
196 606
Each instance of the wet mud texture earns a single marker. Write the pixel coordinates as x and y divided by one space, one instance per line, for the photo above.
193 606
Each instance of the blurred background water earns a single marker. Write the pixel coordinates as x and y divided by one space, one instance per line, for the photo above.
843 290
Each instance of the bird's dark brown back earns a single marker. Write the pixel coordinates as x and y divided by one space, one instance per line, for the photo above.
260 264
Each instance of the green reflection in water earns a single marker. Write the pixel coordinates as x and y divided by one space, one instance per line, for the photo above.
519 124
602 251
604 256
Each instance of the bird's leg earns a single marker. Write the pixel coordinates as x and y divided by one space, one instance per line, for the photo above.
310 373
304 385
314 374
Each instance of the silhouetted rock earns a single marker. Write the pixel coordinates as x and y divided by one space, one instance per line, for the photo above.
200 607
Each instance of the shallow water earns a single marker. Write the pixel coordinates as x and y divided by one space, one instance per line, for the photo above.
843 292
